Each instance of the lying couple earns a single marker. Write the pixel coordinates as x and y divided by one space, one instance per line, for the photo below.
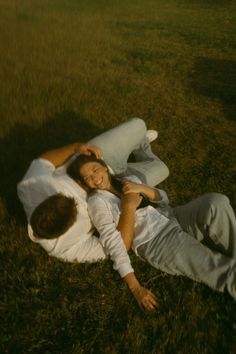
127 213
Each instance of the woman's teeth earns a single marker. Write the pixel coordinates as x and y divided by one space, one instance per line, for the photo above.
98 183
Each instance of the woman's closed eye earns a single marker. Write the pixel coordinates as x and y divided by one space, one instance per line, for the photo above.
90 177
96 169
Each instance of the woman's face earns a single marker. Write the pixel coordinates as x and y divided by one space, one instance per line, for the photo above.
95 175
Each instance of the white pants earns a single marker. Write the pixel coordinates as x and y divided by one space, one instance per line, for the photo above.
179 250
118 143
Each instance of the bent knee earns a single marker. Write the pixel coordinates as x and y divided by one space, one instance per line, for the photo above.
157 174
163 172
217 200
138 122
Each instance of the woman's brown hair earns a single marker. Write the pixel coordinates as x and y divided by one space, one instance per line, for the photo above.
73 171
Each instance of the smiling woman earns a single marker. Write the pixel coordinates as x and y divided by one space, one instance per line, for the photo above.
168 238
70 70
91 172
95 175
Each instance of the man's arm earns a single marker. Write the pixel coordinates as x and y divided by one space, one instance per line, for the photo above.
59 156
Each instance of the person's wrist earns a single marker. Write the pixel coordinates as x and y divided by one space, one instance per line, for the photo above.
132 281
77 147
135 287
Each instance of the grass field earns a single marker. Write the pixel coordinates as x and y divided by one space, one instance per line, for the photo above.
68 70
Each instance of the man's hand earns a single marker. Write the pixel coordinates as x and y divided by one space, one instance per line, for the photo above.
145 298
59 156
89 149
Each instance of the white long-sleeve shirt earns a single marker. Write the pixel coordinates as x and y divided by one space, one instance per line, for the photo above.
105 209
78 244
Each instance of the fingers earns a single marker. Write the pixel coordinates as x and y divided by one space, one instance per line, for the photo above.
127 190
98 153
128 187
89 149
150 302
125 185
146 299
131 187
95 150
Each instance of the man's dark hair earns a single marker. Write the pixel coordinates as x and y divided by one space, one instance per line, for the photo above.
54 216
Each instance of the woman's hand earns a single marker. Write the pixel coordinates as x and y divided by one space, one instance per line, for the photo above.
131 187
149 192
131 200
145 298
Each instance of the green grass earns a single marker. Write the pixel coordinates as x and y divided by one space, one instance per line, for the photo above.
70 69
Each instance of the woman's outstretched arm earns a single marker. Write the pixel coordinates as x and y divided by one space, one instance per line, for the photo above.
145 298
114 246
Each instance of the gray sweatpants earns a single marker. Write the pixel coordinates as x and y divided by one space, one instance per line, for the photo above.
130 136
199 241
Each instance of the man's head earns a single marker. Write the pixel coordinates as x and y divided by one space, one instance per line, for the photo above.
54 216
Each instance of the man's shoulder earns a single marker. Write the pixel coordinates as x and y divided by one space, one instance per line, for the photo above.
37 185
38 180
38 168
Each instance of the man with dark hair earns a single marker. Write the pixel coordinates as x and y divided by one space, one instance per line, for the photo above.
56 206
54 216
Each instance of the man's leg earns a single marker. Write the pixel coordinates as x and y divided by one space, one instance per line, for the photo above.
118 143
148 167
210 219
177 253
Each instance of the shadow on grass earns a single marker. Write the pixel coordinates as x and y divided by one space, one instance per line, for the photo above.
25 142
215 78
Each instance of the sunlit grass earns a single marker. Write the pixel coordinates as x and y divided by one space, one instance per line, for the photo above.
70 69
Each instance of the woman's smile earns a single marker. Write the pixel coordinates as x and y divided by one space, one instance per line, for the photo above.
95 175
98 182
